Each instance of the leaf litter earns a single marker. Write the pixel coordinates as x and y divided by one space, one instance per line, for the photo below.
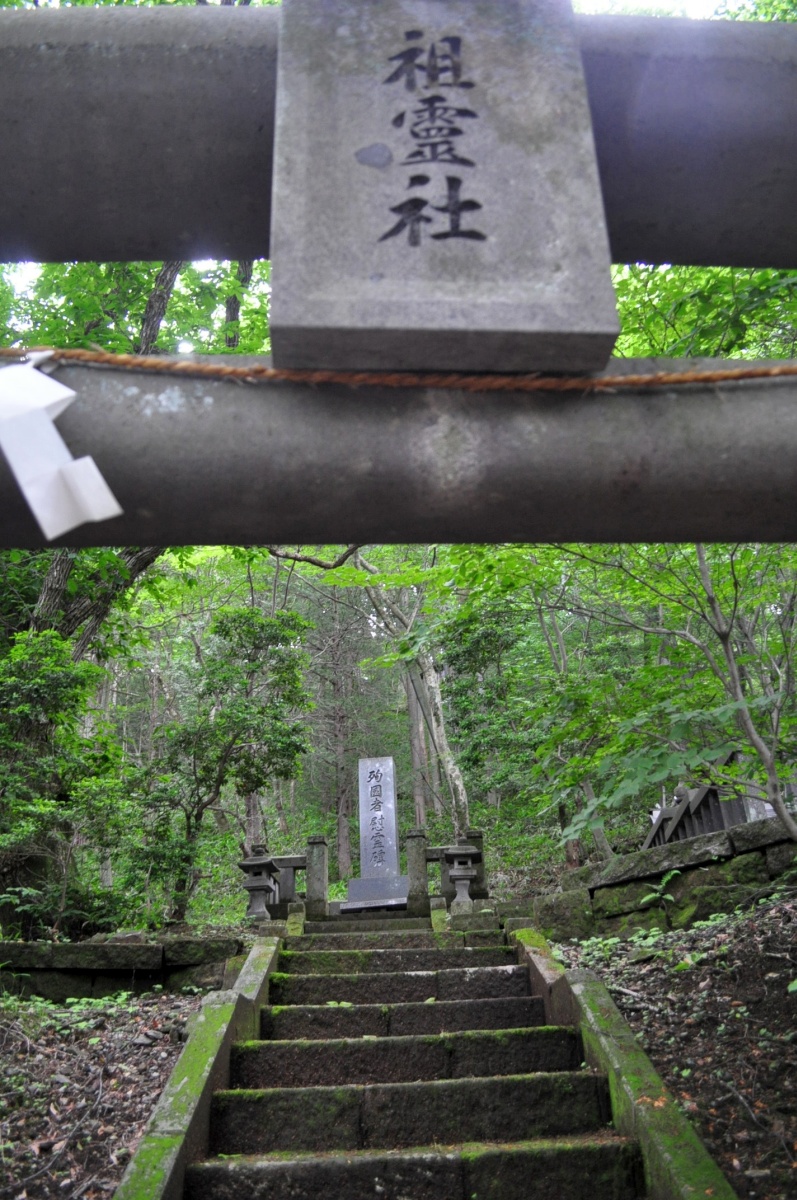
712 1008
79 1081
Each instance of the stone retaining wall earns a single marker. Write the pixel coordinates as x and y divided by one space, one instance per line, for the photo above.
715 873
57 970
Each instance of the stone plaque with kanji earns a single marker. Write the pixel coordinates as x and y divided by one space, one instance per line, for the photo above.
436 195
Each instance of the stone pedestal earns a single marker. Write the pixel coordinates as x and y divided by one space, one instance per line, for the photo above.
418 892
317 885
436 203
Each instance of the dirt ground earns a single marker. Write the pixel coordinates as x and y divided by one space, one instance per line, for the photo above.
78 1084
711 1006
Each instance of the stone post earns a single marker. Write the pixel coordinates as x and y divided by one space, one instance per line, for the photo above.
478 889
317 882
418 892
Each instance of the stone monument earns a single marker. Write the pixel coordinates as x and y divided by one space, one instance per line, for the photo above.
436 202
380 885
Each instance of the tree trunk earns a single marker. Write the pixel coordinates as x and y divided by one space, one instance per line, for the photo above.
233 304
573 849
417 748
281 818
435 780
598 833
255 833
155 310
766 754
92 609
431 699
51 596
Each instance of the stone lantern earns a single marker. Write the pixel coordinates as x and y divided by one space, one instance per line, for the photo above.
462 863
262 879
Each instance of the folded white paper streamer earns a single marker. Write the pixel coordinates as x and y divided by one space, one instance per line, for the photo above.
62 492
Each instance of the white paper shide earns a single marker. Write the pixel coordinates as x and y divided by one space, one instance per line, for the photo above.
61 491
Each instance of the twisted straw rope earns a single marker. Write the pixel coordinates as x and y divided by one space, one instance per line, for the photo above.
410 379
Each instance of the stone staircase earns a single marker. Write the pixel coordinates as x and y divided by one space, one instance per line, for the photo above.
401 1064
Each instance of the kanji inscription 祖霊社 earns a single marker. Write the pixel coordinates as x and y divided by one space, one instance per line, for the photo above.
436 196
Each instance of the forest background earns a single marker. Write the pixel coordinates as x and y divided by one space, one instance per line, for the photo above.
164 709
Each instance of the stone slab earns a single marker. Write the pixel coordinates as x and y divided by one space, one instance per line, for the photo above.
365 894
469 922
379 941
608 1169
781 858
106 956
395 1115
318 1022
387 987
436 194
756 834
427 1176
312 1063
379 852
382 924
564 914
356 961
660 859
568 1169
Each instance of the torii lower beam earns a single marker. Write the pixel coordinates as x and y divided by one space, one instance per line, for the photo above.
208 462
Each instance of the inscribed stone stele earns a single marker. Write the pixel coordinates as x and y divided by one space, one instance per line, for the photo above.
436 193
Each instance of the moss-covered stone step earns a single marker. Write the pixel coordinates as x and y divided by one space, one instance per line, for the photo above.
568 1168
315 1022
356 962
384 924
404 1059
401 939
473 983
394 1115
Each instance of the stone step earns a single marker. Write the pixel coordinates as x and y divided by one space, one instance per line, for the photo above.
315 1022
404 1059
361 962
567 1169
473 983
401 939
396 1115
386 924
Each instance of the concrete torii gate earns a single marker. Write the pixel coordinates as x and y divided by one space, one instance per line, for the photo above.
148 134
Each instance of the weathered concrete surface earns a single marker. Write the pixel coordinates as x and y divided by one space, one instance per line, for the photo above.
660 859
420 940
369 925
565 1171
568 1169
383 1020
392 987
781 858
200 461
438 214
190 952
404 1059
407 1114
564 914
756 834
345 962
